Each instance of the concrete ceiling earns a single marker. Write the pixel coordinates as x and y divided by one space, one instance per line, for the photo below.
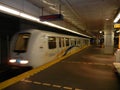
88 15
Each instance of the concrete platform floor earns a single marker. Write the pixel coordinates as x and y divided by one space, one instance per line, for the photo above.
89 69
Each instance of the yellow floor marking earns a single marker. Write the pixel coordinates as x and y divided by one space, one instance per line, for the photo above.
103 64
37 83
69 88
89 63
84 62
56 86
46 84
22 80
96 63
28 81
78 89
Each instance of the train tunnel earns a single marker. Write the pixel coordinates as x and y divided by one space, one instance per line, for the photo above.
9 26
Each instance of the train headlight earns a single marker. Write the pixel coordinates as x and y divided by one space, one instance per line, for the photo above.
12 60
23 61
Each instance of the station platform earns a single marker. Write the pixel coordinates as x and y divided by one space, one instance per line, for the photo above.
88 69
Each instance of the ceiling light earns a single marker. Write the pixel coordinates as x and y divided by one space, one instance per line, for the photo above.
107 19
118 31
57 26
54 9
27 16
117 18
44 1
100 31
9 10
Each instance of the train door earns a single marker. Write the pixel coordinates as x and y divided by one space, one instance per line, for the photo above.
61 46
52 47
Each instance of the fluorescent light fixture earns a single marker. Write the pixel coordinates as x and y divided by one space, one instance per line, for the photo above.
54 9
100 31
118 31
9 10
107 19
27 16
117 18
44 1
54 25
36 19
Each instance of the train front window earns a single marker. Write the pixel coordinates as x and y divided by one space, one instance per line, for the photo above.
22 42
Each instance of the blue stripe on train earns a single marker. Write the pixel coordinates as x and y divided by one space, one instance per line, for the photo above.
67 50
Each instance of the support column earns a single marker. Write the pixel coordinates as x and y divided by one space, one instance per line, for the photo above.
108 38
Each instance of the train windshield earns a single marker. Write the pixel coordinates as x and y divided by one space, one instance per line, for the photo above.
22 42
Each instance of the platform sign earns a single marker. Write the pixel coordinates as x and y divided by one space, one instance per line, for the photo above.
52 17
117 25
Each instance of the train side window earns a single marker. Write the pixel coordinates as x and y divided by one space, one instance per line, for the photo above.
67 41
75 42
72 42
22 42
60 43
79 41
52 42
63 42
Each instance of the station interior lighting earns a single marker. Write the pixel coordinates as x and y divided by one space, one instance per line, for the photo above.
27 16
117 18
118 31
9 10
21 14
100 31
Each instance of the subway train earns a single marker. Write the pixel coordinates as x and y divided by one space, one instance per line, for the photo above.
36 47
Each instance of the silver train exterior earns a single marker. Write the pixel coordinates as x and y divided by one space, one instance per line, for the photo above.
36 47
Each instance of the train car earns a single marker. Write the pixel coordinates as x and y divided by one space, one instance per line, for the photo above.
36 47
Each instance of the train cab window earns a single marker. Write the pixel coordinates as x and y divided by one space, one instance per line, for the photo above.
22 42
52 42
67 41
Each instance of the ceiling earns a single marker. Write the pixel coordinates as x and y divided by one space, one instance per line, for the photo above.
85 15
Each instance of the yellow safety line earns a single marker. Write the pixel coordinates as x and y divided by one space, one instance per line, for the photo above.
33 71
